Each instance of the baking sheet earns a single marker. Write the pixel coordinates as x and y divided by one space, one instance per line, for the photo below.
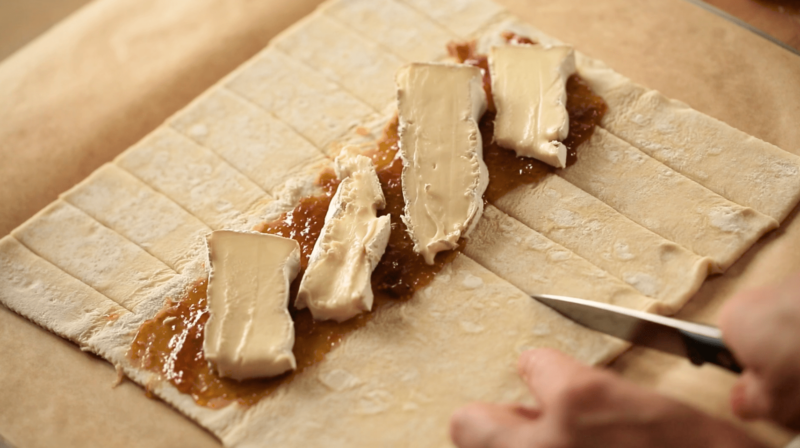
101 80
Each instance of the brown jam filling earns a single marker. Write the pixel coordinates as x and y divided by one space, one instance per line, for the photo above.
506 170
171 343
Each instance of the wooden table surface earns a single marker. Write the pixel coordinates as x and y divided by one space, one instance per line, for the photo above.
102 109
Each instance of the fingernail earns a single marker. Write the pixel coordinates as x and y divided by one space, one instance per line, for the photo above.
748 401
738 400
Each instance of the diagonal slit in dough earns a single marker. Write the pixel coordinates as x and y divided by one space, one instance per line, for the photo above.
585 225
397 27
536 265
700 147
40 291
658 198
405 390
194 177
123 203
305 99
251 140
94 254
358 65
462 17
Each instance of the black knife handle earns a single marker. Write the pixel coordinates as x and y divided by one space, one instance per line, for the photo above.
702 349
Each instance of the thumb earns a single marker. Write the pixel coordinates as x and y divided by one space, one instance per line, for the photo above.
548 373
749 398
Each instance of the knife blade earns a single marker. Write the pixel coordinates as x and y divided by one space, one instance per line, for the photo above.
699 343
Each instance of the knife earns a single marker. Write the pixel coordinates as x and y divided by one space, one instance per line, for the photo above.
699 343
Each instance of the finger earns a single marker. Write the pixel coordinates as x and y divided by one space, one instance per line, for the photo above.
740 320
749 399
549 372
482 424
532 434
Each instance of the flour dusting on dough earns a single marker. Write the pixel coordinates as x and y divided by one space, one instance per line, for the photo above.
537 244
338 380
374 402
565 218
199 130
541 329
727 219
471 327
622 251
472 282
645 283
559 255
781 168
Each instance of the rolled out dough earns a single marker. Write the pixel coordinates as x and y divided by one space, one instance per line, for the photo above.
80 270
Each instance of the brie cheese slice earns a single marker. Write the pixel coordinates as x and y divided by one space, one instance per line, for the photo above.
250 333
529 91
336 284
444 176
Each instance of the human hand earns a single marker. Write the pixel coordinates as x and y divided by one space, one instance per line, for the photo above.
762 328
580 406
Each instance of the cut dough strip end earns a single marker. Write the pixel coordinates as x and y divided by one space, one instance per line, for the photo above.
662 200
536 265
592 229
700 147
40 291
94 254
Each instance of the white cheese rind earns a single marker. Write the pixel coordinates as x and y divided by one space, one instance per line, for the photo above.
250 333
529 91
336 284
444 175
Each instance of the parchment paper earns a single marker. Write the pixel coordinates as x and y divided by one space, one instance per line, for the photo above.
106 76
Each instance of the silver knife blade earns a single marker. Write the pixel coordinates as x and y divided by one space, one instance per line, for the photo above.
699 343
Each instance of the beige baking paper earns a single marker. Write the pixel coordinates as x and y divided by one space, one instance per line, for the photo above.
744 274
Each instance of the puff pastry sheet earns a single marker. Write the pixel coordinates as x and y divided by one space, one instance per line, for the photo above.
661 196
